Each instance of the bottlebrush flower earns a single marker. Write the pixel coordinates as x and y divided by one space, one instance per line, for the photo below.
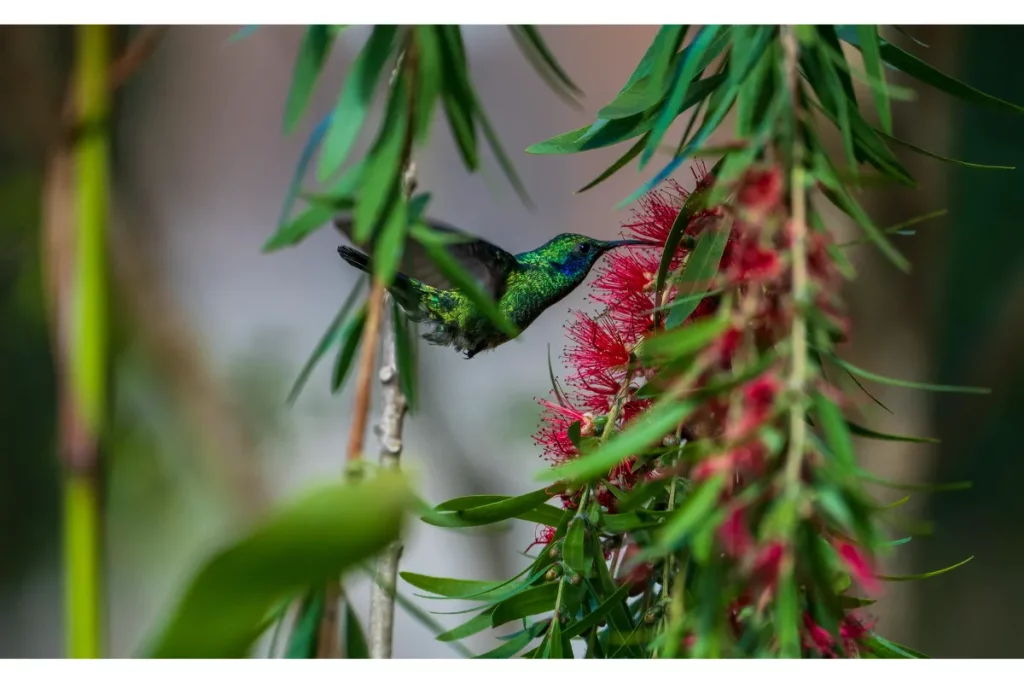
733 534
542 536
553 435
819 640
758 400
859 565
760 193
598 346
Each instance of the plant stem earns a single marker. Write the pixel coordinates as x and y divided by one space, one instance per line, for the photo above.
798 371
382 590
86 340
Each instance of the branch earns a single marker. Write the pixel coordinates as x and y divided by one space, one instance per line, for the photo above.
382 591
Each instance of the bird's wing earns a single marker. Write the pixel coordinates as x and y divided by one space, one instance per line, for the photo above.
488 263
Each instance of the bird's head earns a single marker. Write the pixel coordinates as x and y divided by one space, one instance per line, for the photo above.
574 255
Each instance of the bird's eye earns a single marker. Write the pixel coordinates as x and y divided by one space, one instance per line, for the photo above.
583 247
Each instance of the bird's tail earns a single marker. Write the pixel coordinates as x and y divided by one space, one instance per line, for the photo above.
405 290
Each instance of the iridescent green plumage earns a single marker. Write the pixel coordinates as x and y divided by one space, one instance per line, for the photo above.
523 285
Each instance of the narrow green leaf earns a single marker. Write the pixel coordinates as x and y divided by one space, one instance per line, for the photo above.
390 245
606 132
948 160
450 588
619 164
647 86
429 79
498 511
860 430
868 35
316 45
457 94
303 225
355 639
507 167
787 612
686 340
573 552
924 72
537 600
615 600
694 510
700 269
687 70
351 336
902 651
243 33
302 643
836 431
480 622
354 101
380 188
463 280
661 419
926 575
905 383
532 45
331 336
510 648
306 542
899 229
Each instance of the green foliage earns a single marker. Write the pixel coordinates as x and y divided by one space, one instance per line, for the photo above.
232 598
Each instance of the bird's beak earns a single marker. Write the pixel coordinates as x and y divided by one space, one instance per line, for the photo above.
628 243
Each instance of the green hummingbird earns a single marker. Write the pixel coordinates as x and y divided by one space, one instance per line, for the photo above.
523 285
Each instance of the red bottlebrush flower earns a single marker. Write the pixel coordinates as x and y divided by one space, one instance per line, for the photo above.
818 639
658 210
638 574
625 271
598 346
760 192
733 534
750 261
758 400
858 564
543 536
742 460
725 346
766 567
553 435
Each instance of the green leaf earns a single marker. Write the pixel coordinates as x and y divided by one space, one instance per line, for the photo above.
511 647
306 542
351 335
647 86
497 511
860 430
302 643
905 383
837 193
462 280
948 160
926 575
836 431
924 72
686 340
452 588
429 78
388 248
457 94
606 132
532 601
902 651
688 68
694 510
615 600
355 639
381 181
331 336
480 622
787 612
316 45
532 45
619 164
354 100
507 167
700 269
868 36
573 551
655 423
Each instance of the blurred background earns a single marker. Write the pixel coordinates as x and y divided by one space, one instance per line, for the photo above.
209 333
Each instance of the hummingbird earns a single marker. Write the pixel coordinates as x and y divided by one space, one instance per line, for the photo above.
523 285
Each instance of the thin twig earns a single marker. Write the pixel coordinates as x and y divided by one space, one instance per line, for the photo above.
382 591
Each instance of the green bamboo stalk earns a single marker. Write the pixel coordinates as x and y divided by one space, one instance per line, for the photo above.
88 362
